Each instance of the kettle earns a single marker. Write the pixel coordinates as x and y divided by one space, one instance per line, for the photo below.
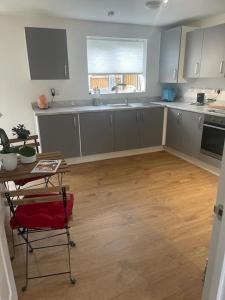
168 94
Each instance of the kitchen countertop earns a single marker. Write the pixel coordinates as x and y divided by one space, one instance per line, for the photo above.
187 106
68 107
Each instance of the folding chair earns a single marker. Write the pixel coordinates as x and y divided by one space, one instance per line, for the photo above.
41 210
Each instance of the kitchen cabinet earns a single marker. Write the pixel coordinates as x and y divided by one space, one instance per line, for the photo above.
60 133
96 130
193 53
151 126
126 130
213 52
47 53
172 50
184 131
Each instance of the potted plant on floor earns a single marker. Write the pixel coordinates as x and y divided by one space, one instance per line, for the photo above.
27 153
8 155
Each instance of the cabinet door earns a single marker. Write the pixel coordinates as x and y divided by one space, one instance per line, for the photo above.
96 130
126 131
184 131
169 55
174 130
47 53
151 126
60 133
193 53
213 52
191 126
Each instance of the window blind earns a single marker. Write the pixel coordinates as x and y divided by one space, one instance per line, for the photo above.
115 56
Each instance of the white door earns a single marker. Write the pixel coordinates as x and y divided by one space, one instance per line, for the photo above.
214 287
7 283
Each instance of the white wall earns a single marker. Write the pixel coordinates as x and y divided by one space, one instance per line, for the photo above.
17 91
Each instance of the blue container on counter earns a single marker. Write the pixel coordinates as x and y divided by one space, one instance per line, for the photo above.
169 94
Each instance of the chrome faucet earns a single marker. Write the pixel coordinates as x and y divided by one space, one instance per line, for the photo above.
126 101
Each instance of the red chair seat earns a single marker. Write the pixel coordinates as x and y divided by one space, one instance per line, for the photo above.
42 215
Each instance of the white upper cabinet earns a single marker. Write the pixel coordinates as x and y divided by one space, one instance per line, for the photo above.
172 54
193 53
213 52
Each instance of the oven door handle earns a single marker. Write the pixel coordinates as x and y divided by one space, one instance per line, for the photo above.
215 127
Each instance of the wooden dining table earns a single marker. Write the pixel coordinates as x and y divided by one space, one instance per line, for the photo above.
23 171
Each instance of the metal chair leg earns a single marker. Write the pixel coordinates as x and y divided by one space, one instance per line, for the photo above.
72 279
13 245
27 247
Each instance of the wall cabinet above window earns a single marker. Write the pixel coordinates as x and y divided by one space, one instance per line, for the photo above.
47 53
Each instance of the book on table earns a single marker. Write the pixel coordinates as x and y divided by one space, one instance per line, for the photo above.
47 166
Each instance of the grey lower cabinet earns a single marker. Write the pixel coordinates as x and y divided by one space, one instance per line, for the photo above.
139 128
60 133
126 131
151 126
47 53
96 131
184 131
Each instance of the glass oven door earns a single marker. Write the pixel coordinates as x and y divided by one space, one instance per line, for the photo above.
213 138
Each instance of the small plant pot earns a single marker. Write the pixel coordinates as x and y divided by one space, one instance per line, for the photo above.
9 161
28 159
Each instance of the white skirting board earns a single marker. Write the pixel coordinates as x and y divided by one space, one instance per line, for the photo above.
194 161
96 157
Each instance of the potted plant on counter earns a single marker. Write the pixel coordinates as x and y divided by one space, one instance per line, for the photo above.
27 153
8 155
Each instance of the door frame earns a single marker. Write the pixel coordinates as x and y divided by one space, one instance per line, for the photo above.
7 283
214 286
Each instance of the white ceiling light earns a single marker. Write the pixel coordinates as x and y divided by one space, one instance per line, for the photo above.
153 4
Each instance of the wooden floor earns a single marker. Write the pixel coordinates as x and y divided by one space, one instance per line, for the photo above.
142 226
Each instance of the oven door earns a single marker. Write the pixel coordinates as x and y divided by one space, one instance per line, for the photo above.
213 137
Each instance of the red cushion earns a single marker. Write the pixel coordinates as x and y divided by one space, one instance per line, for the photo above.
43 215
22 182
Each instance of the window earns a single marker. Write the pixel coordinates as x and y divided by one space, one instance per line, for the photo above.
116 65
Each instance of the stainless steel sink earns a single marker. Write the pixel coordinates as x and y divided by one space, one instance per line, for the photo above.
119 105
141 104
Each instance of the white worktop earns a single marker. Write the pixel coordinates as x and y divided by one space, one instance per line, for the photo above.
67 107
184 105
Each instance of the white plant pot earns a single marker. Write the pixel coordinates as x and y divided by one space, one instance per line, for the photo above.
9 161
28 160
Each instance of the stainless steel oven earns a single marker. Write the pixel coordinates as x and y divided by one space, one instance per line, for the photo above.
213 136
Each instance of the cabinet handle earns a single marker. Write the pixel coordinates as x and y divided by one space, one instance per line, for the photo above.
111 119
175 74
179 116
137 116
65 70
75 122
221 67
196 68
200 119
143 117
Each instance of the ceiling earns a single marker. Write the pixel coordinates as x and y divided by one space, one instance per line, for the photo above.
126 11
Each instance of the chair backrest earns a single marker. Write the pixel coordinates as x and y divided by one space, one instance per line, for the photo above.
31 141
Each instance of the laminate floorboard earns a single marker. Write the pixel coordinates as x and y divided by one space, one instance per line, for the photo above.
142 225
